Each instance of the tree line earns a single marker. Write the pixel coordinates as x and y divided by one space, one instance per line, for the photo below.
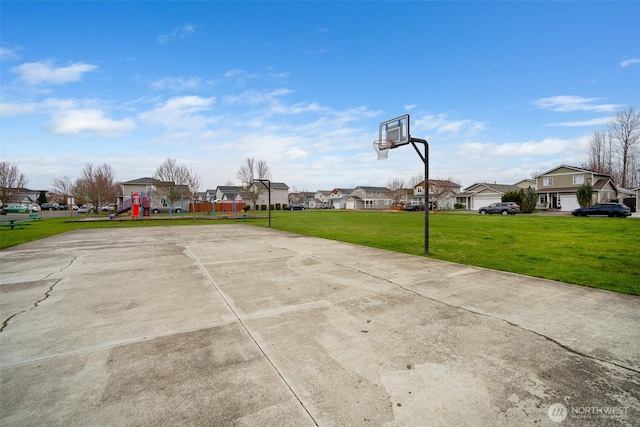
615 150
97 185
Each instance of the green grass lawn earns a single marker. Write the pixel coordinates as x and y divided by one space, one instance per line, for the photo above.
596 252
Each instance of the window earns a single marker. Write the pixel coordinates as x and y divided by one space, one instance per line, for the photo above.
368 203
578 179
547 181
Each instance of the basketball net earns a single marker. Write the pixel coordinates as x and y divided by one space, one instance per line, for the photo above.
382 147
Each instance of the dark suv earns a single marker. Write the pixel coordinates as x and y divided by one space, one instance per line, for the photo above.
504 208
604 209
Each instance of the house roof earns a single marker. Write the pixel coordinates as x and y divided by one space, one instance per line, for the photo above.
577 169
365 188
147 181
498 188
342 190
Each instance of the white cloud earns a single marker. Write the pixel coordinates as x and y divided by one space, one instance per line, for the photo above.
568 103
516 150
7 54
179 83
181 112
88 122
442 124
254 97
628 62
8 110
35 73
601 121
179 33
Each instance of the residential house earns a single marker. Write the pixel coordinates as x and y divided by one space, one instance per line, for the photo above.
279 194
338 196
321 200
22 196
305 198
157 190
483 194
526 183
368 198
442 194
557 188
227 192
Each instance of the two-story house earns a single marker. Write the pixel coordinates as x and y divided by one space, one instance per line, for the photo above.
160 193
279 194
557 188
442 194
368 198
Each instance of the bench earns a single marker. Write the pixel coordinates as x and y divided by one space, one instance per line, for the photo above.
13 223
34 215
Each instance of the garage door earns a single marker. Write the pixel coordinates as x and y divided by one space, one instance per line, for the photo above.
568 203
480 202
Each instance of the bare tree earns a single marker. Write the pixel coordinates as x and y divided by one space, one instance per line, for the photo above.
180 181
12 182
599 154
625 133
251 169
97 185
397 191
62 186
415 180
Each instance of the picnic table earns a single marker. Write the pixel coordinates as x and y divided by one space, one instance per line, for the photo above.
13 222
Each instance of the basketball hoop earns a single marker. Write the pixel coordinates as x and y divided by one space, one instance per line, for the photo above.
382 147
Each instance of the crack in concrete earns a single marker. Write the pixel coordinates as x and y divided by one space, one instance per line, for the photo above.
46 294
539 334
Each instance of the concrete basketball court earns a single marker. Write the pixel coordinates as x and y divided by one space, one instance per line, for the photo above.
230 324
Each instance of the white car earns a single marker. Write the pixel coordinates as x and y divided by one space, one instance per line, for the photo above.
34 208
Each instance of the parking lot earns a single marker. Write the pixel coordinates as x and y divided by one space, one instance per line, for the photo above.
231 324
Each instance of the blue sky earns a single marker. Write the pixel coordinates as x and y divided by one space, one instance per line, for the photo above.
499 89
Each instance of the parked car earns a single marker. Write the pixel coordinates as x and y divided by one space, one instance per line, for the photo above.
413 207
34 207
83 210
296 207
49 206
604 209
107 208
165 209
17 208
504 208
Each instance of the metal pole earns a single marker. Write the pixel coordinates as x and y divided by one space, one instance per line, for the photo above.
268 187
425 159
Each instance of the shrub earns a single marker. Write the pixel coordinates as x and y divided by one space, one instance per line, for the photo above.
458 206
529 200
513 196
585 195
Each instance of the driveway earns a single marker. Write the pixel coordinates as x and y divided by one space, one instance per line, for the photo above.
231 324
